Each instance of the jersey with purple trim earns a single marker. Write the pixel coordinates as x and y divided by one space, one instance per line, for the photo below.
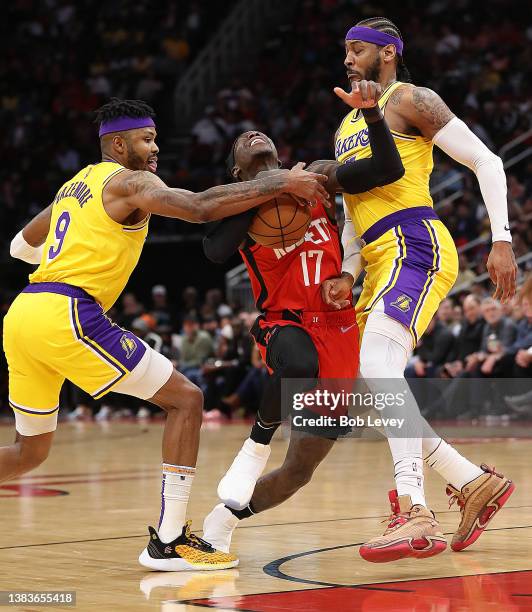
84 246
412 190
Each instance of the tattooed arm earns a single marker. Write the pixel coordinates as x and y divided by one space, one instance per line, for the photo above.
420 108
140 190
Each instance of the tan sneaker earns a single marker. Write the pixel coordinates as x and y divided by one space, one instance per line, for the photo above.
479 501
412 531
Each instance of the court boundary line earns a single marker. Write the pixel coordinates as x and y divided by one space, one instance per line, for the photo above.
273 568
355 518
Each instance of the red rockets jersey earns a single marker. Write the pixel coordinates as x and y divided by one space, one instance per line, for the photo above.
290 278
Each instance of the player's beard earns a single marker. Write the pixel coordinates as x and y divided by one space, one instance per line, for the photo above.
373 73
134 160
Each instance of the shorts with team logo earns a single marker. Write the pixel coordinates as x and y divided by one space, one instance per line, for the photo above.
411 264
55 331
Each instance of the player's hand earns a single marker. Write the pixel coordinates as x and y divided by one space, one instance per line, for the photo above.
336 292
363 94
502 269
306 185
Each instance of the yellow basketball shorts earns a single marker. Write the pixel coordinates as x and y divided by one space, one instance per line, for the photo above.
412 264
55 331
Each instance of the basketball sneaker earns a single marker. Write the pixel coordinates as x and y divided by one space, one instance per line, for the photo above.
218 527
412 531
186 552
479 501
237 486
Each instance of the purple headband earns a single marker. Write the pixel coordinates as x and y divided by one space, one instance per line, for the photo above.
374 36
122 124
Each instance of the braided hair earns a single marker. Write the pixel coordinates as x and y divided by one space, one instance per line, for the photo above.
117 108
388 27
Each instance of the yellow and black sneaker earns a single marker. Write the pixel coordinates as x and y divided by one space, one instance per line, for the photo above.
186 552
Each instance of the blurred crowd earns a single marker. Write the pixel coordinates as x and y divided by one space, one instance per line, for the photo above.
476 341
63 59
476 55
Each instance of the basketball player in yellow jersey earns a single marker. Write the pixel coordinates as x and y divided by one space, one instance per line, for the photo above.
87 242
411 264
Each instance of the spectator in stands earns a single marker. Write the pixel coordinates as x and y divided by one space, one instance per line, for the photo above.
432 351
445 312
143 327
249 391
517 359
196 347
517 362
160 309
131 309
498 334
468 340
465 275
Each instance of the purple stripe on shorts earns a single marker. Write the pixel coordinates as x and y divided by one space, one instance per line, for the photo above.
123 345
61 288
418 266
431 274
392 275
397 218
29 411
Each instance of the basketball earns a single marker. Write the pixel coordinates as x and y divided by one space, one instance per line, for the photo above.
280 222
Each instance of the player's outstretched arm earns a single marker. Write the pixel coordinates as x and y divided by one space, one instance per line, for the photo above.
28 243
424 110
143 190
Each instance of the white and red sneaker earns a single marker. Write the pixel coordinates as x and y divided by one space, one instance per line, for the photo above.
412 531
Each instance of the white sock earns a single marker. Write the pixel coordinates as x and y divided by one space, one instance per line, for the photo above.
177 481
408 471
449 463
383 360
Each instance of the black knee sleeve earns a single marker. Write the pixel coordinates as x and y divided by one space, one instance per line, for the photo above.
292 354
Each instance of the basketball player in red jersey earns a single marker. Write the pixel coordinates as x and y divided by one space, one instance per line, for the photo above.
298 335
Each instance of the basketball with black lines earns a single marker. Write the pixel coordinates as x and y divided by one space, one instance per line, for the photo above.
280 222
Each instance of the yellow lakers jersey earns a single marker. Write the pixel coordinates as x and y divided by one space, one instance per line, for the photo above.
84 246
352 142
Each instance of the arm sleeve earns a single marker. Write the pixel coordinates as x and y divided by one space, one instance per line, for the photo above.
224 237
383 167
352 262
459 142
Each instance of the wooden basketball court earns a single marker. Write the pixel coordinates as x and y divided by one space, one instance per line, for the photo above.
79 522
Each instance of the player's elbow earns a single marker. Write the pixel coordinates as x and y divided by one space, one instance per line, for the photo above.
394 174
489 160
213 252
202 211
